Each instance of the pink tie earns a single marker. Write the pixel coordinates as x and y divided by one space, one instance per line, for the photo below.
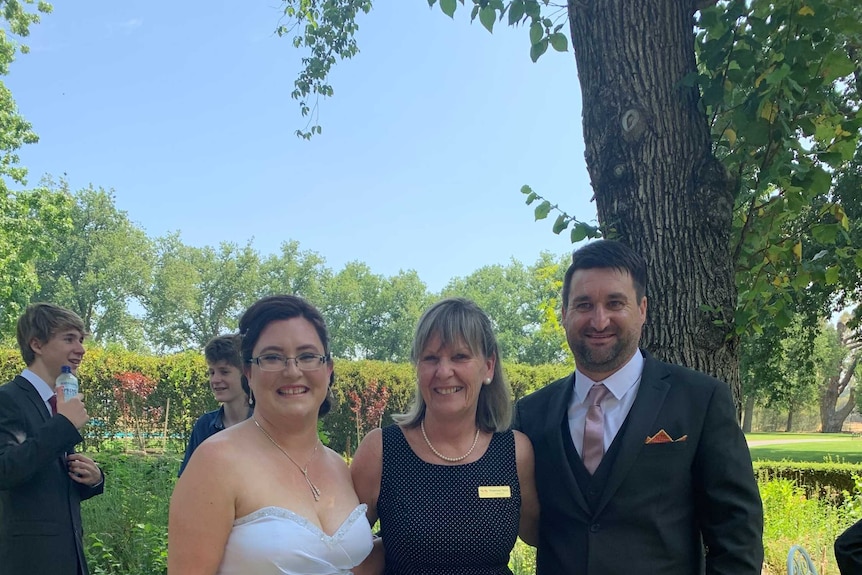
594 428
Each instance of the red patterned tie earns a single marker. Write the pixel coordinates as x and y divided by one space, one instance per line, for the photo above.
594 428
53 402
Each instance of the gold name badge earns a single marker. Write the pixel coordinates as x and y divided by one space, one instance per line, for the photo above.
494 491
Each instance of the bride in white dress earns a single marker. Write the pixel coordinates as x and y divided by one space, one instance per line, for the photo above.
265 497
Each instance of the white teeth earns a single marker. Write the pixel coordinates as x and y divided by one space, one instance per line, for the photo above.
448 390
292 391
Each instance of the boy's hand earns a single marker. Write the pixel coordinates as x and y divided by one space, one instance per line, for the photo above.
73 410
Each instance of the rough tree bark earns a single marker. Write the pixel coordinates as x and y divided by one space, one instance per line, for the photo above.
658 186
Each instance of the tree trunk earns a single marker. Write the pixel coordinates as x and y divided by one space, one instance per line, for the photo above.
658 186
749 414
832 418
789 425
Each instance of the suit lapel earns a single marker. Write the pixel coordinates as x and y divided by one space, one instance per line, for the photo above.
33 398
557 411
651 394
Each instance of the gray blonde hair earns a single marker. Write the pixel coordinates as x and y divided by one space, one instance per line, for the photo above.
456 320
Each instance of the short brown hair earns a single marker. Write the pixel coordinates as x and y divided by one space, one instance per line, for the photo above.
227 348
41 321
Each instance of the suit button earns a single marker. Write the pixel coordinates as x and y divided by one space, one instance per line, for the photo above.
594 528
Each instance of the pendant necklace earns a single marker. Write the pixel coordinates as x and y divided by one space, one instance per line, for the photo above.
304 470
440 455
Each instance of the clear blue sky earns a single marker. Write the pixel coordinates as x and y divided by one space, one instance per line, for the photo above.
184 110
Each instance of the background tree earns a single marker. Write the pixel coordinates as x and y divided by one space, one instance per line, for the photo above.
294 271
199 293
21 214
523 305
27 221
100 266
843 351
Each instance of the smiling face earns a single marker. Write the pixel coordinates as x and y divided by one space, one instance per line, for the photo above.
603 319
64 347
289 390
225 381
451 377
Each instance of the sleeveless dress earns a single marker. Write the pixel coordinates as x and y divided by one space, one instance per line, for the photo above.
277 541
432 517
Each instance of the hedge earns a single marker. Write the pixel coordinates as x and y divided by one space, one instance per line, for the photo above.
182 378
830 481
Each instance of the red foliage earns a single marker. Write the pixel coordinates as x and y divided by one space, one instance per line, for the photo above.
368 409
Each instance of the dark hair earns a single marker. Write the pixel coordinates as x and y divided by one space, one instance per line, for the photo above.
277 307
227 348
456 320
41 321
607 254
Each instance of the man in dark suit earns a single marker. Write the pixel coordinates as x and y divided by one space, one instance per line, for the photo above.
848 550
641 466
42 482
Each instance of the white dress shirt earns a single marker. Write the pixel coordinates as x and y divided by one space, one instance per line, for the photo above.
45 391
623 386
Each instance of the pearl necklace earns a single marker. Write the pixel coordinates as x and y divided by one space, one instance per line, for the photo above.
443 457
315 492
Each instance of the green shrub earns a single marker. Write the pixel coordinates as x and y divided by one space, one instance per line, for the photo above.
830 481
791 518
126 528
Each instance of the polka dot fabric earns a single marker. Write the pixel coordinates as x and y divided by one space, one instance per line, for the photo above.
433 521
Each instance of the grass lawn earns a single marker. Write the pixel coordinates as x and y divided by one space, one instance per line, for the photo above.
795 436
834 450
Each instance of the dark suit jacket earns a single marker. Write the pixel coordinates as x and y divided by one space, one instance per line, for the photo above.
661 503
40 506
848 550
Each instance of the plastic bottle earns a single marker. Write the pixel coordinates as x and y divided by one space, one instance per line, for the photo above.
67 382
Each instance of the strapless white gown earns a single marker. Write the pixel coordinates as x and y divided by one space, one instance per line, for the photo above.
277 541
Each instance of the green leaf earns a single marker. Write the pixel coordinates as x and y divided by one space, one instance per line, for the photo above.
525 189
542 210
559 42
448 7
561 224
832 273
579 233
516 12
536 50
536 33
531 198
837 65
487 15
825 233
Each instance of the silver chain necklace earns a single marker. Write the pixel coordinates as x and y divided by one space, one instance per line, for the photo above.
444 457
304 470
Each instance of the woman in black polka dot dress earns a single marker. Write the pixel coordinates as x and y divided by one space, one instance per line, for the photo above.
451 484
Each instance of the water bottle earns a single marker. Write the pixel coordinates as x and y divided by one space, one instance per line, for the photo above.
67 382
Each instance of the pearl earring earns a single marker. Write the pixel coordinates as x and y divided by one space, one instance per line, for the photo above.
487 381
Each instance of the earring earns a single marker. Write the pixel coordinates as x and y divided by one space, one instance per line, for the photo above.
487 381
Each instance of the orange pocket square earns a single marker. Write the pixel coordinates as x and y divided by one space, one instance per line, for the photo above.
663 437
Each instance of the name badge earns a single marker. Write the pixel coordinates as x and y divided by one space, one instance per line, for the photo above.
495 492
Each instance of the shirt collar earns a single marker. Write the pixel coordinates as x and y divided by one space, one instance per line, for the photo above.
45 391
218 420
618 383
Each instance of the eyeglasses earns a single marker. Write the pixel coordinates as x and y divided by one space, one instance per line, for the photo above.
277 362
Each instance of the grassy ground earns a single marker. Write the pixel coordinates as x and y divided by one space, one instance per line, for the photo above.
845 450
795 436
